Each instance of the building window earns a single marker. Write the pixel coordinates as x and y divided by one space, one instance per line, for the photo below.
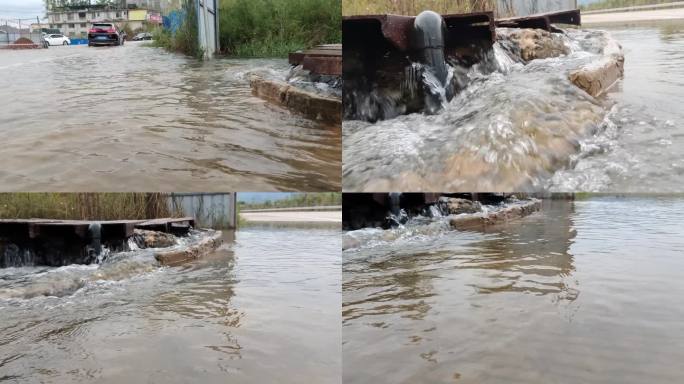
56 17
83 25
118 15
70 16
98 14
71 26
81 15
92 15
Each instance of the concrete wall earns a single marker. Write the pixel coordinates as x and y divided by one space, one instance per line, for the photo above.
210 210
509 8
77 23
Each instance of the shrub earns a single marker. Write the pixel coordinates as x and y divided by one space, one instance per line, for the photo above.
262 28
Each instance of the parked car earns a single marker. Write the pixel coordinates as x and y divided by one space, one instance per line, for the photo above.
142 36
105 34
57 39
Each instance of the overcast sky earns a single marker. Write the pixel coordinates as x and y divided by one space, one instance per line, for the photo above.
21 9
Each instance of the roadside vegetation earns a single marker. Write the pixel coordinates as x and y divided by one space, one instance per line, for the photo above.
414 7
297 200
85 206
607 4
273 28
185 39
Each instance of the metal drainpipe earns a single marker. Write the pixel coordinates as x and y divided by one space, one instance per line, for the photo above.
216 25
95 234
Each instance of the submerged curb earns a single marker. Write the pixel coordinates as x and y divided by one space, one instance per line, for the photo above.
598 77
482 220
193 252
308 104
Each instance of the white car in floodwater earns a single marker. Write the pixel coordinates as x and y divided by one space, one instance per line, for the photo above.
57 39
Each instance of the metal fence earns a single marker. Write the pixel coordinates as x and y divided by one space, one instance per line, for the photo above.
212 210
12 30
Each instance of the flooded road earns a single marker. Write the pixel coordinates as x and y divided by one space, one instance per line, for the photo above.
518 127
643 148
136 118
263 308
583 292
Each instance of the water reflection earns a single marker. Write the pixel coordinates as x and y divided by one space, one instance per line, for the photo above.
534 258
562 295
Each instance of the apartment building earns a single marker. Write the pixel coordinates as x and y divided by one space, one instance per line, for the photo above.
75 23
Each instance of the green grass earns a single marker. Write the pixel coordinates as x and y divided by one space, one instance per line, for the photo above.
414 7
607 4
273 28
185 40
298 200
84 206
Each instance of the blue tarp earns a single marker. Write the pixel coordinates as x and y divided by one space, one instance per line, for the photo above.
173 20
75 41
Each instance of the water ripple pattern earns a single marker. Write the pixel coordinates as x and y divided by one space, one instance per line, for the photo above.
263 308
136 118
587 291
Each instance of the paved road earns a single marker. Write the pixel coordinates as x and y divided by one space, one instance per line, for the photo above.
638 16
298 216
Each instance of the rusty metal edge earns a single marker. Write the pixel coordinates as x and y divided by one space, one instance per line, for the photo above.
573 17
394 27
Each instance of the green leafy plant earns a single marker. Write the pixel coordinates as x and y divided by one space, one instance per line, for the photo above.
273 28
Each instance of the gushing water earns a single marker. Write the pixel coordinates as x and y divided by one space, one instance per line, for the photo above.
515 126
253 311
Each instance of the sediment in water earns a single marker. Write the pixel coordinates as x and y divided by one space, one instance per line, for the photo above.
514 124
515 211
194 251
326 109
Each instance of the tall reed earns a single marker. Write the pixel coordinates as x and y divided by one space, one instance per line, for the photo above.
85 206
414 7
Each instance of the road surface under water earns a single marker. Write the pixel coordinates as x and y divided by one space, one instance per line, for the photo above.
643 148
528 128
137 118
263 308
583 292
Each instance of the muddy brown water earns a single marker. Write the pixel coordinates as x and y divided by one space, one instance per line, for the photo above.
529 128
582 292
263 308
136 118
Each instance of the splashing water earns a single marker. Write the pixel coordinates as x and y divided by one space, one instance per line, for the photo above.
511 127
23 280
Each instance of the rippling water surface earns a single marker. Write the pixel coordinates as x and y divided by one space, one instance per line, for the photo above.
136 118
643 148
583 292
528 128
263 308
